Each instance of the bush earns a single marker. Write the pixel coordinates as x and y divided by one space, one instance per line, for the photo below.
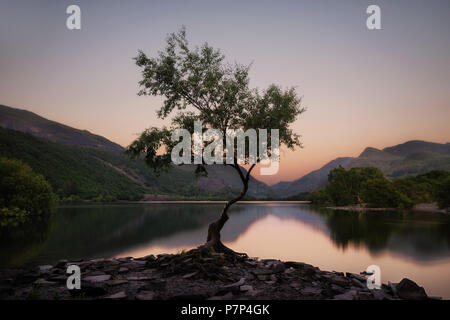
23 194
381 193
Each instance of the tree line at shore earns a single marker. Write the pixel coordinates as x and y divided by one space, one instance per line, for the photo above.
369 187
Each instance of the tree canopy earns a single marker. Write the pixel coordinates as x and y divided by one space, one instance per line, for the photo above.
201 86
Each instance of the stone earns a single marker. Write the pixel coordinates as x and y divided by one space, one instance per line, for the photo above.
45 268
365 296
139 278
339 280
380 294
277 267
150 257
123 270
99 278
310 291
408 289
295 285
118 295
44 283
189 275
246 288
236 284
114 283
90 290
61 263
337 288
145 295
349 295
227 296
358 283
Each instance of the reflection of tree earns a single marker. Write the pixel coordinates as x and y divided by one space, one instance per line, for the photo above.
366 228
423 236
20 244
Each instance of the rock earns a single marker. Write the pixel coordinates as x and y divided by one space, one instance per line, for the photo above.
246 288
95 279
380 294
408 289
365 296
262 277
339 280
295 285
61 264
357 277
118 295
337 288
264 271
90 290
123 270
139 278
349 295
58 278
114 283
358 283
145 295
44 283
277 267
189 275
236 284
190 296
45 268
310 291
227 296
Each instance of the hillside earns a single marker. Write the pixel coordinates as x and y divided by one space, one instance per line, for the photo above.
91 173
309 182
406 159
26 121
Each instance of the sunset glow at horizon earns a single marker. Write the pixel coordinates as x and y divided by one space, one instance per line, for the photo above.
362 88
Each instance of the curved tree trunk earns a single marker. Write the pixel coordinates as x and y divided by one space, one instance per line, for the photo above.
213 239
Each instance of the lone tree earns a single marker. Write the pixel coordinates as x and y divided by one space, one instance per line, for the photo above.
202 87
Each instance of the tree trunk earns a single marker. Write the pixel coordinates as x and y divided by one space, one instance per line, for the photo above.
213 239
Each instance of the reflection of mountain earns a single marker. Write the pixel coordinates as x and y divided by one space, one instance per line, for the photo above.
103 231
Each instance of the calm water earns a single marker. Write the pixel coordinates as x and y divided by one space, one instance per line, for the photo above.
409 244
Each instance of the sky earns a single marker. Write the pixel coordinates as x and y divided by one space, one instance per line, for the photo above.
361 87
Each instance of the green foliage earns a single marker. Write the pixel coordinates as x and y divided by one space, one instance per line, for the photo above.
23 194
344 187
202 86
321 197
359 186
443 194
381 193
73 172
426 188
368 186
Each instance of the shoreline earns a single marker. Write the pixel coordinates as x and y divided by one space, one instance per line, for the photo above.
421 207
197 275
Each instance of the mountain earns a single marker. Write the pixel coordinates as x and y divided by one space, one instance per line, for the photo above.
88 166
309 182
29 122
409 158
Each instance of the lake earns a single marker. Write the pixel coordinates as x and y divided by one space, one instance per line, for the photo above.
403 244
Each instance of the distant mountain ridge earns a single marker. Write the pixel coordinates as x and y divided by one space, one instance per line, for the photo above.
409 158
29 122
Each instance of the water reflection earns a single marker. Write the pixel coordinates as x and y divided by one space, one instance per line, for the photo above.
401 243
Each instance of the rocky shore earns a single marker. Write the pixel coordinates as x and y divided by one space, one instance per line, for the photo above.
197 275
